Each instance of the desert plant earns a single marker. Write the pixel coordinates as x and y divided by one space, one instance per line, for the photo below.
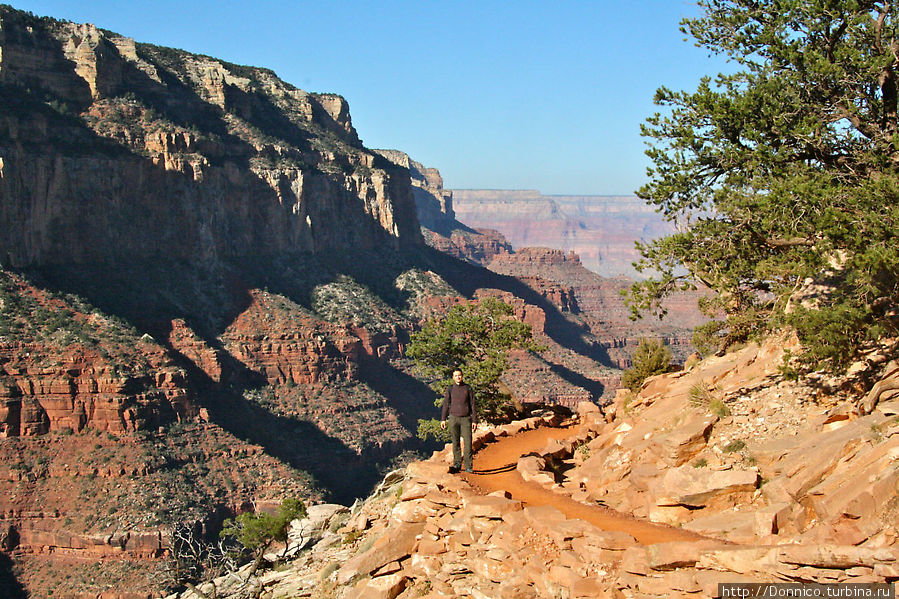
701 396
718 407
734 446
651 357
257 532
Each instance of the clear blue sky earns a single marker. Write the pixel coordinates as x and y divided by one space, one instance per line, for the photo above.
508 95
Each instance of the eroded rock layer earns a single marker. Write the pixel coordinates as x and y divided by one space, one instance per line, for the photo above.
112 148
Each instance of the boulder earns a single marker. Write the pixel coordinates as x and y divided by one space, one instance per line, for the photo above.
396 544
676 554
382 587
694 487
685 441
738 527
309 530
488 506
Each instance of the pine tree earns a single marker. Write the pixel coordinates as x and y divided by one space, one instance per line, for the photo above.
783 172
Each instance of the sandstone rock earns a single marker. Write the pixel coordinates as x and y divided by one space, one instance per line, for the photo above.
858 486
748 560
416 490
738 527
673 515
426 471
837 556
309 530
490 507
382 587
676 554
635 560
691 486
413 511
530 466
684 442
396 544
491 569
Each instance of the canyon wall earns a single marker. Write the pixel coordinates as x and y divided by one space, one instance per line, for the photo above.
111 148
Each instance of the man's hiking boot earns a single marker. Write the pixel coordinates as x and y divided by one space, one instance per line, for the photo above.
454 470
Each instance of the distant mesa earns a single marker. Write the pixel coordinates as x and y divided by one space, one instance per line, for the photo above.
600 229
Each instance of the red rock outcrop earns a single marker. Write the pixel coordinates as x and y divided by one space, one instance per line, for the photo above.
82 393
61 369
561 278
298 349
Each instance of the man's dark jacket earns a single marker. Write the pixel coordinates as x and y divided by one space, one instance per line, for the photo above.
458 401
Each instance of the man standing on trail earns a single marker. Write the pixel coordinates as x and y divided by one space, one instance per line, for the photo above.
459 406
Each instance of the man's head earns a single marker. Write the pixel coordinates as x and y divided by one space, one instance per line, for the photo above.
457 376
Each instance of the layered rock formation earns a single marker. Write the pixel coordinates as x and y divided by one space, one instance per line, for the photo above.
114 148
433 203
563 280
600 229
62 369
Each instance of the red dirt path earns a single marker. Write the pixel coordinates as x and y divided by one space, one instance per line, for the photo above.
494 470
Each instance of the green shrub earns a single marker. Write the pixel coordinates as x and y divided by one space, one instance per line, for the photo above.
719 408
734 446
651 358
702 397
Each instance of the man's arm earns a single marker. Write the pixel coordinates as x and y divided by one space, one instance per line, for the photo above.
471 403
444 409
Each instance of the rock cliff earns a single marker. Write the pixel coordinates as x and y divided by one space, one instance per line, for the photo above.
112 148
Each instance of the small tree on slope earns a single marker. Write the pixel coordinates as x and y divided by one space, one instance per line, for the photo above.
257 532
475 337
783 172
650 358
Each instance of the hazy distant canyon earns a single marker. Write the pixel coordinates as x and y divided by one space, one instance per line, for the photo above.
600 229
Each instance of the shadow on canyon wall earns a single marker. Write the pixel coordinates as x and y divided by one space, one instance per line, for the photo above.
10 587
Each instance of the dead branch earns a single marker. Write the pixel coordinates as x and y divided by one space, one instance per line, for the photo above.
889 382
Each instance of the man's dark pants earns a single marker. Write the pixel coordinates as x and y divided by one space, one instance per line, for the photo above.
460 426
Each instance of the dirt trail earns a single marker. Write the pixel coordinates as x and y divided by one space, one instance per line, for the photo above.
494 470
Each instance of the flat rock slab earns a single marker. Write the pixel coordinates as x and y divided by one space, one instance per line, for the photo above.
490 506
396 544
694 487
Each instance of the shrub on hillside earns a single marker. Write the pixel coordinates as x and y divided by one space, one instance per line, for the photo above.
651 357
